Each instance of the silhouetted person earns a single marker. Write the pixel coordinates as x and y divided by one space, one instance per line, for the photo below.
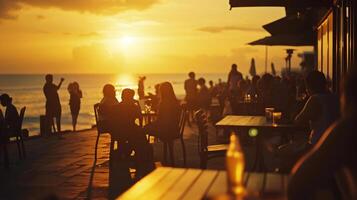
119 119
74 102
234 77
11 118
166 126
141 87
336 149
53 105
204 97
191 94
321 109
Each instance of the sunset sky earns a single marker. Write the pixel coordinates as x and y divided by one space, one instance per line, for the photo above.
136 36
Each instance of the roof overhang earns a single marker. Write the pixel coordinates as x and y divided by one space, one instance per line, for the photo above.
281 3
286 40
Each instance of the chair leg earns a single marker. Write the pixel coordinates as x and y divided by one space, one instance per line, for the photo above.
203 161
111 154
96 147
183 152
23 147
171 152
165 151
18 147
6 157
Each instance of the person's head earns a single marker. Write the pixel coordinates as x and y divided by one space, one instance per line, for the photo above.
49 78
348 98
192 75
211 83
167 92
5 99
75 86
201 81
315 82
127 94
109 91
234 67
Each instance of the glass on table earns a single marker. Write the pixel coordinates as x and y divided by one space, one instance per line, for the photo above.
276 117
269 113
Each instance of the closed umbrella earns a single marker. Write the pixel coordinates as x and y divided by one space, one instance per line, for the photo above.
252 70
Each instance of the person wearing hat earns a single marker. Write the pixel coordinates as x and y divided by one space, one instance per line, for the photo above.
11 118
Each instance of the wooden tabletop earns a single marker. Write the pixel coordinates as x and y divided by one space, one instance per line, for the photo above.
235 121
191 184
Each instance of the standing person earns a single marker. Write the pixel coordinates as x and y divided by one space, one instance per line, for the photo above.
74 102
53 105
141 88
191 94
234 77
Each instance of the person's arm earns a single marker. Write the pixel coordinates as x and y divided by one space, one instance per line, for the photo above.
309 112
60 83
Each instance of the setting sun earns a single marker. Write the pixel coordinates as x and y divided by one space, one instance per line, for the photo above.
127 41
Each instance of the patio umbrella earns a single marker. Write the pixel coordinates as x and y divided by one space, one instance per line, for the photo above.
252 70
273 71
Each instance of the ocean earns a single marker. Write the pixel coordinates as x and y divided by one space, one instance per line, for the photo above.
26 90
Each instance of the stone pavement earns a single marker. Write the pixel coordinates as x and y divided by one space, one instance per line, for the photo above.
63 166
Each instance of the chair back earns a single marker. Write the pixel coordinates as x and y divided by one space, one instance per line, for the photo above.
183 118
201 120
21 119
99 123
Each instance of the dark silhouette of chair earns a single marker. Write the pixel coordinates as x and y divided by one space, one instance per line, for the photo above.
18 135
169 145
207 152
101 129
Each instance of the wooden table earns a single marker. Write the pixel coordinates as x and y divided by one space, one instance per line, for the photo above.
191 184
240 124
238 121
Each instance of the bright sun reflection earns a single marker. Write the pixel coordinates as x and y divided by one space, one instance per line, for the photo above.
124 81
127 41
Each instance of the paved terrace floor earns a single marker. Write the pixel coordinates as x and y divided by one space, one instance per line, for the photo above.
63 166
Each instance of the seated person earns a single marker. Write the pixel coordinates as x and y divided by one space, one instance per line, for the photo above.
120 122
204 98
321 109
337 148
166 126
12 118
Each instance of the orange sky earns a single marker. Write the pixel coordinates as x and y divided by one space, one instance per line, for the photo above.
138 36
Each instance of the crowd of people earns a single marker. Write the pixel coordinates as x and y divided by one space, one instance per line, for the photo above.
303 100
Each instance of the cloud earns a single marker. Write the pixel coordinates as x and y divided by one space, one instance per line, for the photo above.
40 17
219 29
90 34
9 8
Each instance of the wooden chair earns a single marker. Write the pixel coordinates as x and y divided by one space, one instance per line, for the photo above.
102 129
169 145
207 152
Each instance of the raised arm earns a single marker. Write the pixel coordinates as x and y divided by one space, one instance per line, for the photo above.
60 83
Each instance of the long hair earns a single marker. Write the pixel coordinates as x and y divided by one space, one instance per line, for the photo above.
167 92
